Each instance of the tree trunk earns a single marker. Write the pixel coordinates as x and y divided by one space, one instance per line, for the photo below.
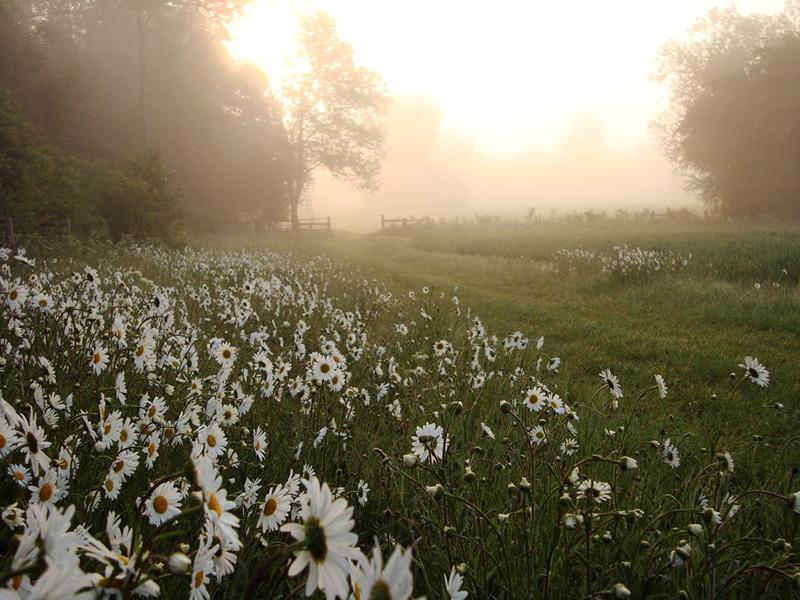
141 25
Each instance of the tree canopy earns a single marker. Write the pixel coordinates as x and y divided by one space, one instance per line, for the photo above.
733 124
333 111
116 82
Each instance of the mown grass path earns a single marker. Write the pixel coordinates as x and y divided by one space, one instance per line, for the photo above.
693 331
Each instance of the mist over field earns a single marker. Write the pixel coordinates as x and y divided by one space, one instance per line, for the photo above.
399 300
430 171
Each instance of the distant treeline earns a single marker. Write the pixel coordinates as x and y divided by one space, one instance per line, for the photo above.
128 116
533 218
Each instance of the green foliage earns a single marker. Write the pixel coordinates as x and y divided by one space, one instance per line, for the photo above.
42 187
108 80
733 126
333 112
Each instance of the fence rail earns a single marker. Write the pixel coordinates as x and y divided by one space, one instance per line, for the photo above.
313 224
405 221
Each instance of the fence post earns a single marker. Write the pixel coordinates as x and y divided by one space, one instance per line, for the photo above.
68 227
383 221
329 223
12 240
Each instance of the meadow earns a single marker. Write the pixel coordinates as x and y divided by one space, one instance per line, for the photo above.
563 412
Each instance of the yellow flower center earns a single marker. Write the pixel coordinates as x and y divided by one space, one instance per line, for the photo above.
13 295
270 506
212 440
96 358
324 368
3 441
110 485
19 475
46 492
213 504
198 578
119 465
160 504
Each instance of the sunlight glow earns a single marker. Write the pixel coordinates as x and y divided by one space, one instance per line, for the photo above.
510 75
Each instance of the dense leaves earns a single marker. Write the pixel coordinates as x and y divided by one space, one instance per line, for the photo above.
733 127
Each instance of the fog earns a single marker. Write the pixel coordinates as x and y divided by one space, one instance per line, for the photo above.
440 173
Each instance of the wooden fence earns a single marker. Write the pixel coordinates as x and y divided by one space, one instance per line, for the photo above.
314 224
405 221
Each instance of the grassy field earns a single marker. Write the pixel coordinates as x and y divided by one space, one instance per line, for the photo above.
691 327
191 421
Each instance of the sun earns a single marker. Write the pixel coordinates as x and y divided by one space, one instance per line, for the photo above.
267 34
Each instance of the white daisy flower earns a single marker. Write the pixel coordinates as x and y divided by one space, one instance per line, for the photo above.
535 399
99 360
326 529
670 454
163 504
453 585
612 383
394 581
595 491
428 441
755 371
662 387
274 509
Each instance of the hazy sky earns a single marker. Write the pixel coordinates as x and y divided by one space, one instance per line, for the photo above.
549 96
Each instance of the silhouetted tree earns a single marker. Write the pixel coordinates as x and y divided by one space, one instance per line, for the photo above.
733 126
333 113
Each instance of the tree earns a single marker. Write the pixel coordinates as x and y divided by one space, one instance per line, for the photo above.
733 125
73 68
332 112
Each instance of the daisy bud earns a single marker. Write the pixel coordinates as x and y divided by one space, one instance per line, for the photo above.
448 530
12 516
434 490
502 517
410 461
456 407
98 446
461 568
179 563
524 485
184 548
684 550
469 474
780 545
627 463
572 520
505 407
620 591
794 502
512 489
